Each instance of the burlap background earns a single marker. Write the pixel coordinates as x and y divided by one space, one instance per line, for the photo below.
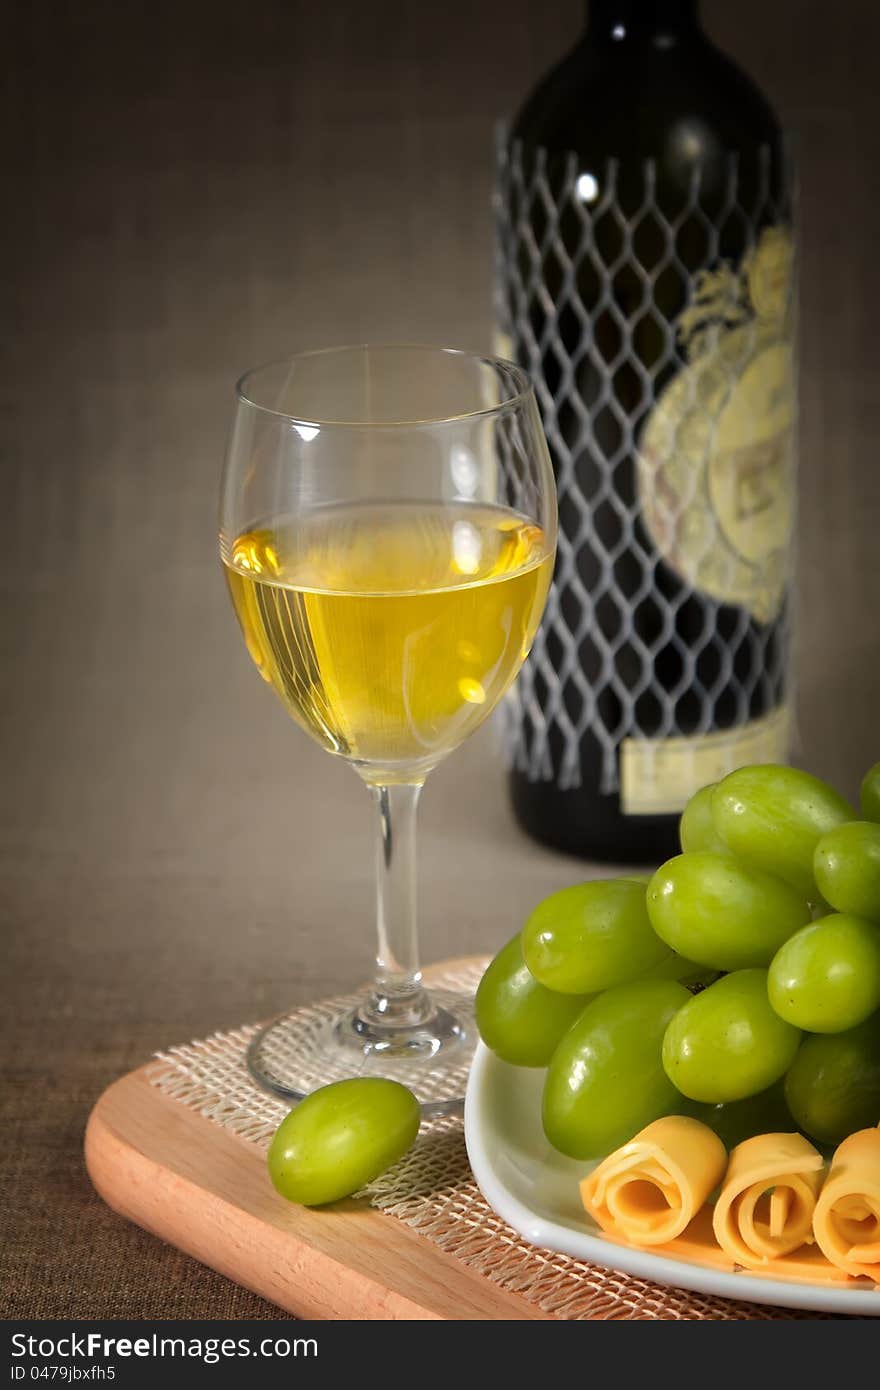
186 195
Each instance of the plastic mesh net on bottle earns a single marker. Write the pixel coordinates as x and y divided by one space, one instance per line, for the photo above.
672 443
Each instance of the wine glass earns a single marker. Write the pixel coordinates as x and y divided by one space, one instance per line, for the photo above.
387 530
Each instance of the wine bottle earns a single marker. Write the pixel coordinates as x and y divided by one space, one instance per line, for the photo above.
644 254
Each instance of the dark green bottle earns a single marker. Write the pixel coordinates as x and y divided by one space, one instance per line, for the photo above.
644 255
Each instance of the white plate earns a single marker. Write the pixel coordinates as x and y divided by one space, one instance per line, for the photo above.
535 1190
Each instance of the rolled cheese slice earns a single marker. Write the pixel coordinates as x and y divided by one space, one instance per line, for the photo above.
648 1191
766 1204
847 1217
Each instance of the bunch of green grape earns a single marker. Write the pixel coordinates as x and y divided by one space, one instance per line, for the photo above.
740 984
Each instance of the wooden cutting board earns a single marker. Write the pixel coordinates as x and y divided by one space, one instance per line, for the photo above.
205 1190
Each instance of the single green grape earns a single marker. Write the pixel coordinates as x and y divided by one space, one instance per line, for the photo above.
727 1043
696 829
591 936
519 1019
765 1113
833 1085
846 867
713 909
826 978
340 1137
606 1079
773 817
870 793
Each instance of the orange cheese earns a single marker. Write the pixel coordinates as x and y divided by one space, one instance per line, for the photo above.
765 1208
846 1222
698 1246
807 1265
647 1192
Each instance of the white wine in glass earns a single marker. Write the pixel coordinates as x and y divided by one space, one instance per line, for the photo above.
388 532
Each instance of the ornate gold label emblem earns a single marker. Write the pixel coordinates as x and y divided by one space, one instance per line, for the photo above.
715 461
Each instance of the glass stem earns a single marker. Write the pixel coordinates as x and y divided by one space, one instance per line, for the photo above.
397 999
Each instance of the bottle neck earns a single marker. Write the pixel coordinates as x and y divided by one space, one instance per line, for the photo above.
628 21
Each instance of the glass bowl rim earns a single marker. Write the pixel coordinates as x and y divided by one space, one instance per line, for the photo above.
524 389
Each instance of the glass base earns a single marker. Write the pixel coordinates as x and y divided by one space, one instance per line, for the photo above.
297 1053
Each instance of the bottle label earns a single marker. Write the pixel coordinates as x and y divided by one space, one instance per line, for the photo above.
715 460
658 776
503 345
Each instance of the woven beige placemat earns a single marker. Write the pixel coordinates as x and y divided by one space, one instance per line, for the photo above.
432 1190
